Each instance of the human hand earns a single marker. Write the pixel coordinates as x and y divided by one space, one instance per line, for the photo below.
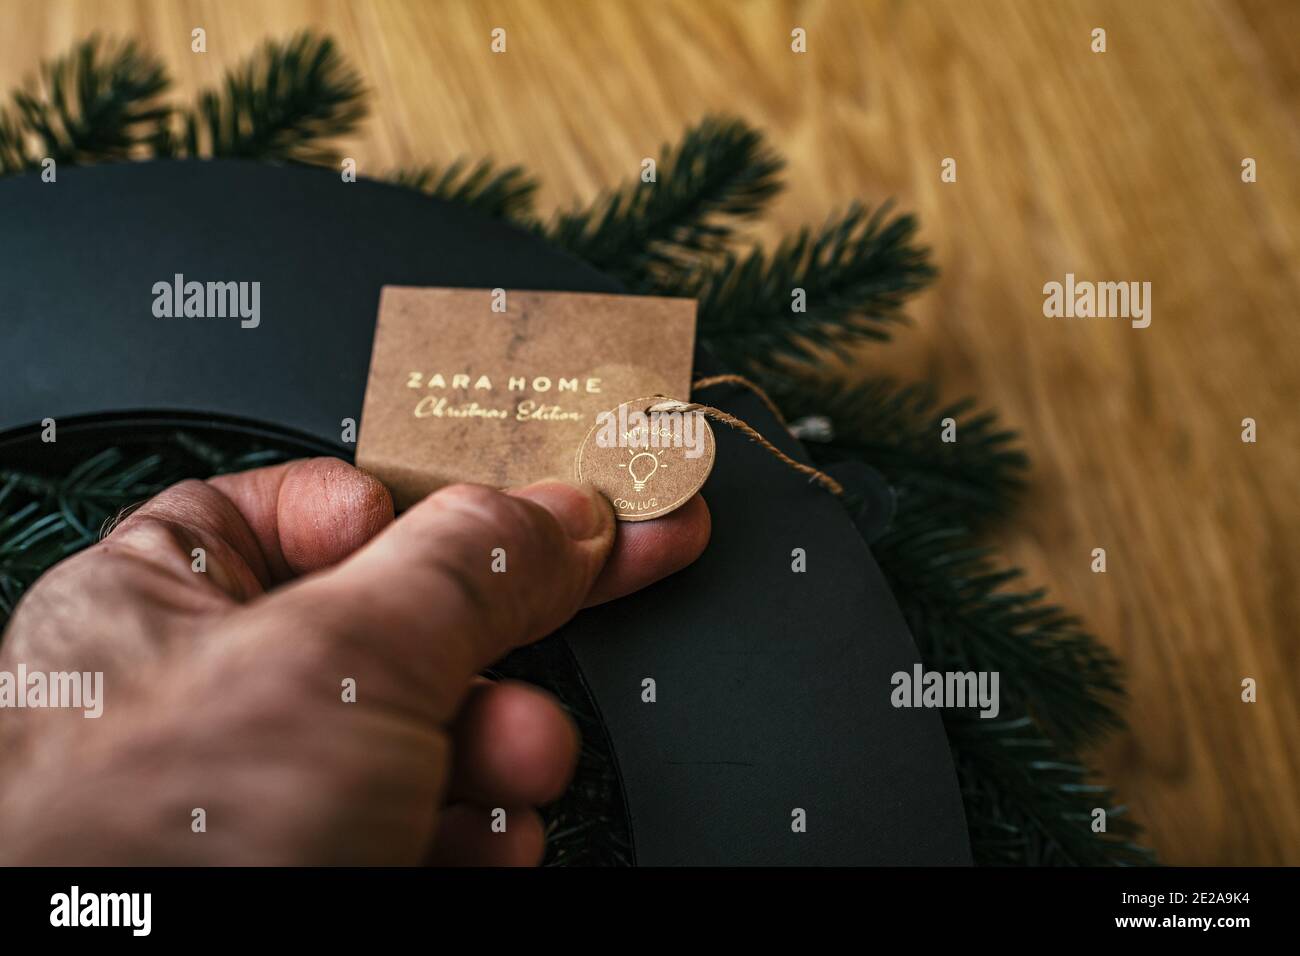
224 690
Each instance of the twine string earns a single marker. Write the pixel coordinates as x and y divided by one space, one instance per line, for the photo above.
743 382
731 421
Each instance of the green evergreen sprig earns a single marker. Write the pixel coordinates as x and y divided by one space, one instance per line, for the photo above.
284 103
501 193
1029 802
898 429
44 518
852 276
98 102
966 617
1029 798
646 233
102 102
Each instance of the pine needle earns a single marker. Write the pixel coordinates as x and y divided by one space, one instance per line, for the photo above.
282 104
97 103
644 233
827 289
500 193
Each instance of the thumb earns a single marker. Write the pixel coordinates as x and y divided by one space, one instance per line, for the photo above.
451 586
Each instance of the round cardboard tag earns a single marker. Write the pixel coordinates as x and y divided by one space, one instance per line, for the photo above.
648 457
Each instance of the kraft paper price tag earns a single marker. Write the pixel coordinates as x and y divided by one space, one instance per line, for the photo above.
500 387
648 457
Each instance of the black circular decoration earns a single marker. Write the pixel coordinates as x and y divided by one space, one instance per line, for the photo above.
772 686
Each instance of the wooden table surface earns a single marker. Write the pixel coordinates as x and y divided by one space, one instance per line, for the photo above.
1123 165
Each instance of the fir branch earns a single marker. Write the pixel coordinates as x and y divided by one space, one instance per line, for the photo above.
500 193
280 104
1031 803
954 597
99 102
32 539
897 429
1027 796
647 234
44 519
855 272
964 618
207 458
13 146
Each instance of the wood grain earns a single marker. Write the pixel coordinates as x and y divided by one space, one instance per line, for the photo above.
1116 166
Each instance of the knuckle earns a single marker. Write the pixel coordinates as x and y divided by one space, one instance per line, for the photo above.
162 544
504 519
153 534
484 515
463 496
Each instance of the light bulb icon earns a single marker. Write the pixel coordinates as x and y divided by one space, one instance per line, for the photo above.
641 468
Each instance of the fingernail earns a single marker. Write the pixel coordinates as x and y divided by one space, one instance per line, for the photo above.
580 509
